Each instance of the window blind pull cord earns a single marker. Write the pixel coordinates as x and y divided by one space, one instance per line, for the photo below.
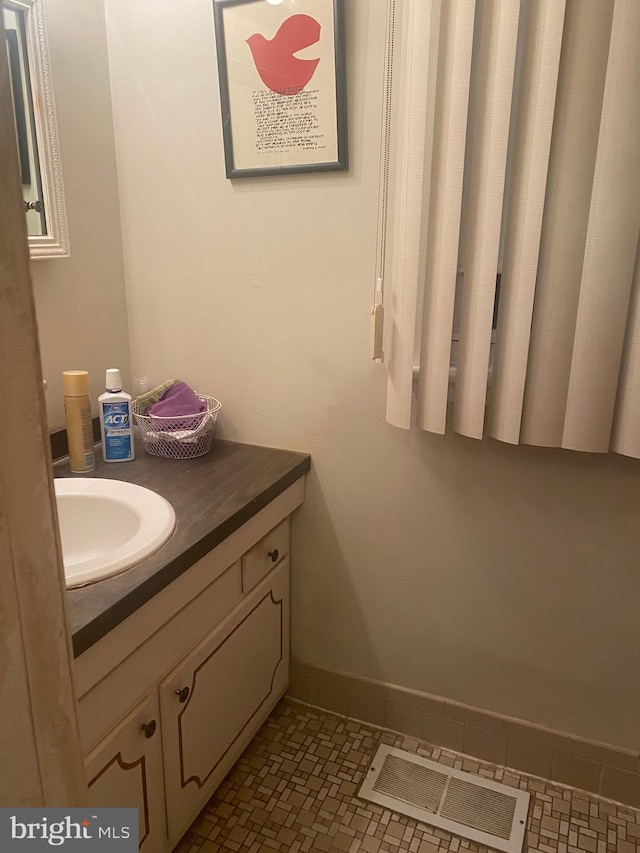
377 310
377 323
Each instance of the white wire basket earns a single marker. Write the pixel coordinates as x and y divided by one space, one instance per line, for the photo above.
179 438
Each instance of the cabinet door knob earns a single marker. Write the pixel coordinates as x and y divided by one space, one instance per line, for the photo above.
182 693
274 555
149 728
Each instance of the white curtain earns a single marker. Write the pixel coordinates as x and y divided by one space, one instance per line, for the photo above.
517 160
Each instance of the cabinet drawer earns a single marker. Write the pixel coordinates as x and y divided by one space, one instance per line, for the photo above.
265 554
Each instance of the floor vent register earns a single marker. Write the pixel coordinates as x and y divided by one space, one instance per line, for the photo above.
458 802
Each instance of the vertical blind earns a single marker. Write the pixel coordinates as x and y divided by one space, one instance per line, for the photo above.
517 160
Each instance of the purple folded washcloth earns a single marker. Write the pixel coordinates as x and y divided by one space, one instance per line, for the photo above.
177 401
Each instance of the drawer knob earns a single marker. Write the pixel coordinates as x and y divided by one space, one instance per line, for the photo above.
274 555
149 729
182 693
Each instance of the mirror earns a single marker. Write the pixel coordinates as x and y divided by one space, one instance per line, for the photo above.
34 111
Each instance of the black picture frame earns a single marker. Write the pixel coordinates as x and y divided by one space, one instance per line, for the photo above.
270 128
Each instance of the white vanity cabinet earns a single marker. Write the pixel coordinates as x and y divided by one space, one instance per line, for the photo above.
215 700
206 660
126 770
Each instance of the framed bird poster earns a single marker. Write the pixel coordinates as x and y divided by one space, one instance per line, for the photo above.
282 86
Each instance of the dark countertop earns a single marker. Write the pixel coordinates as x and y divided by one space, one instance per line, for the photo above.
212 496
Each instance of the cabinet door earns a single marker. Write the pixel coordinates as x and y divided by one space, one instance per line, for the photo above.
125 769
215 700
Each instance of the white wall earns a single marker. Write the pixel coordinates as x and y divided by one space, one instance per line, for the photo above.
499 576
80 301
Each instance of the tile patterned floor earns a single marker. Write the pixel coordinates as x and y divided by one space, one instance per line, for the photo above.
294 789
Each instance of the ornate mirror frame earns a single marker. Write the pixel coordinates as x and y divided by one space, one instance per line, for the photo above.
55 243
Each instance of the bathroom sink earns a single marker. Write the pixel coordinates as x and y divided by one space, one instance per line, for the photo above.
107 526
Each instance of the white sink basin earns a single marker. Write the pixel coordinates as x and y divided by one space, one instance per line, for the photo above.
107 526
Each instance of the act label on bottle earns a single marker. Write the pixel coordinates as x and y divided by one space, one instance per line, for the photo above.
116 421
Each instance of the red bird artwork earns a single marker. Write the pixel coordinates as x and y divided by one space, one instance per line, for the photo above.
274 58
